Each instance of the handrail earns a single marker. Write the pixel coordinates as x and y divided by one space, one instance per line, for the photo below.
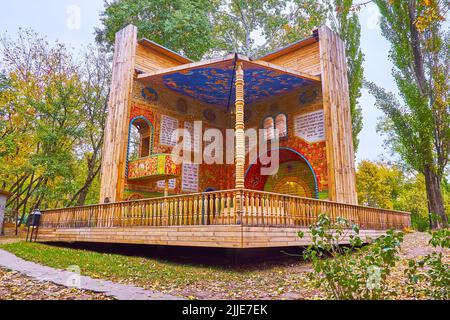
224 207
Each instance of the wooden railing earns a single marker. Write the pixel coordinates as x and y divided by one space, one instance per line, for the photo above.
226 207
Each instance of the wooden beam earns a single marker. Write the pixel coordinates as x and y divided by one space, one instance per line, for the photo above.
184 67
259 63
338 124
289 71
116 129
239 126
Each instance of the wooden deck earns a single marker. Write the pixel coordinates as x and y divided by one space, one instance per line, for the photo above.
229 219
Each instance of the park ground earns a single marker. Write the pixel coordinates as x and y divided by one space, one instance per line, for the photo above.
190 274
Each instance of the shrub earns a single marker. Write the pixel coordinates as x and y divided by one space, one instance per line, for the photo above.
354 272
430 275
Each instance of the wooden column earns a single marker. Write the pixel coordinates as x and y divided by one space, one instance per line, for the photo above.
240 142
116 129
240 127
338 123
166 203
166 188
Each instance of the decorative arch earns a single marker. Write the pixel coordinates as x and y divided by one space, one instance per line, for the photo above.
268 126
261 182
145 142
281 124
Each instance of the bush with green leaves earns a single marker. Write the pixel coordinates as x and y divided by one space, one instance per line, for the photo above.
429 277
355 271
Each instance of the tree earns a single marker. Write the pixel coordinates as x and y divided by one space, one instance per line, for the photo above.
181 25
200 27
52 116
43 120
95 72
413 198
238 23
344 21
418 130
378 184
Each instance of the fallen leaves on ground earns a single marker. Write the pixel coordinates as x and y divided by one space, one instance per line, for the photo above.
286 279
15 286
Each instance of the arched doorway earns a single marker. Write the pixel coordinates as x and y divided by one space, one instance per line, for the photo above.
294 176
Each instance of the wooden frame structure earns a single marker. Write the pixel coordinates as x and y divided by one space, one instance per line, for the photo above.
306 80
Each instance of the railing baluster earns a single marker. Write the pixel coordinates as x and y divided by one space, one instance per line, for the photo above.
220 207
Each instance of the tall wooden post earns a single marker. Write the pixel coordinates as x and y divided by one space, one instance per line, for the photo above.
240 140
240 127
116 129
166 188
166 203
338 123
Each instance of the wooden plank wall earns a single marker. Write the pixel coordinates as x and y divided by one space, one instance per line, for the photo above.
196 236
213 236
128 56
327 58
336 103
149 60
304 59
116 129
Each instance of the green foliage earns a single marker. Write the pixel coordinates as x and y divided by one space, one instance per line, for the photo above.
440 238
354 272
431 271
419 129
344 20
390 186
413 198
278 23
200 27
181 25
53 109
378 184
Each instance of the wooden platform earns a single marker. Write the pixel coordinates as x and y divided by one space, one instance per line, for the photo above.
237 218
232 236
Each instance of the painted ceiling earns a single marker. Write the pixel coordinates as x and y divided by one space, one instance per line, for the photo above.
214 84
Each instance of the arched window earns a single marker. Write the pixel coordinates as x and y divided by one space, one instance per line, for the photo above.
281 125
140 140
134 143
269 127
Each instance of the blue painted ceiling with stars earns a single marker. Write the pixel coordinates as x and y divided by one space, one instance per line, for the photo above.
214 84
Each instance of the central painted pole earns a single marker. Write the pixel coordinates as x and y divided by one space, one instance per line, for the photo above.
240 142
240 127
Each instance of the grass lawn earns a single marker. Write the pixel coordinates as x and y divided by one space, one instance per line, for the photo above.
277 278
283 280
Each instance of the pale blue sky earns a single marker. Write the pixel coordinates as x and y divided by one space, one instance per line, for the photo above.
57 19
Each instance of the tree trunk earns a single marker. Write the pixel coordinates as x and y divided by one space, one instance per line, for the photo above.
416 49
83 194
435 200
